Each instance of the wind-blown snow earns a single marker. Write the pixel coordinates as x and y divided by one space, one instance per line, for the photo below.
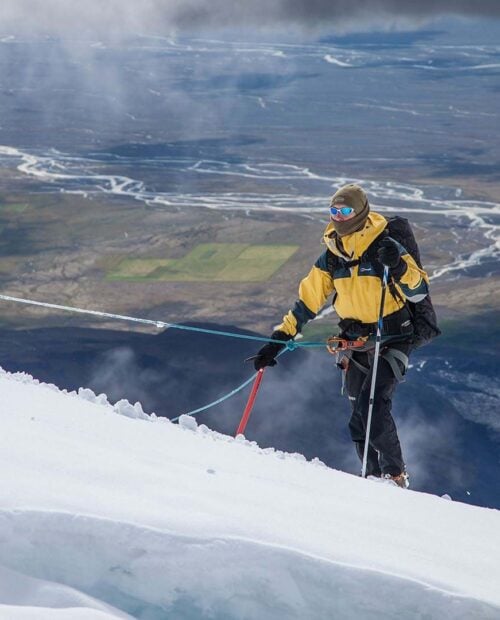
176 521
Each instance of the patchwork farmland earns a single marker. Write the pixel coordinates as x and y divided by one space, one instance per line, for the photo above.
217 262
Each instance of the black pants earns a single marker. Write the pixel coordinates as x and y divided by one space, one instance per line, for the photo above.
384 451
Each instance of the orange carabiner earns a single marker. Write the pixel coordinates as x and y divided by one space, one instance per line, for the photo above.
335 344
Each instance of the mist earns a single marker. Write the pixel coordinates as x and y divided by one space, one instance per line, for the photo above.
117 67
117 19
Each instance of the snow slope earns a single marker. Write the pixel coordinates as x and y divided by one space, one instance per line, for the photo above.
115 510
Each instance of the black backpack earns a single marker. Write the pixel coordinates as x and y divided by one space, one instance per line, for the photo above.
423 314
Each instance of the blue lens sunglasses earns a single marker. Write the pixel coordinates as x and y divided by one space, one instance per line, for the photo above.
343 211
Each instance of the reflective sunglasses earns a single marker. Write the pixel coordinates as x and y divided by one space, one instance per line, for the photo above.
343 211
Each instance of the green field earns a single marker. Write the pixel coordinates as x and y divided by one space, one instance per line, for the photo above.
216 262
15 207
11 205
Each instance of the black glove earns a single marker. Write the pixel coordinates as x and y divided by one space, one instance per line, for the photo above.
389 255
266 356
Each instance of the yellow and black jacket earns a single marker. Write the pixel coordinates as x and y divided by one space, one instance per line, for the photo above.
356 289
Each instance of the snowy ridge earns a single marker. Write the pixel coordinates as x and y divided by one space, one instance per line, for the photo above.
165 521
122 407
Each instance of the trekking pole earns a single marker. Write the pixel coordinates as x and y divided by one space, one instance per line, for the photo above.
374 370
251 399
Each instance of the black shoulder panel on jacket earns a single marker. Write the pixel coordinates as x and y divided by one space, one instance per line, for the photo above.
323 261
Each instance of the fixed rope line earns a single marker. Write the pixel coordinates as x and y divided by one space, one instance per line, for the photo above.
226 396
218 401
290 344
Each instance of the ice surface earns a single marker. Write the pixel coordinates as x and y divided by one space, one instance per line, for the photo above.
177 521
24 597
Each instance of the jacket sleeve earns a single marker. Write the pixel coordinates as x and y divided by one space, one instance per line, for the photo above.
413 282
314 290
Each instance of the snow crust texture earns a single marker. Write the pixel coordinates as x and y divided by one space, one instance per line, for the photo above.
106 512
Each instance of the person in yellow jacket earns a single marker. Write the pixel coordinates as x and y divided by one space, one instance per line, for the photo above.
358 248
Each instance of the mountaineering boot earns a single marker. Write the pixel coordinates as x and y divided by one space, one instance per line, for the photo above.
401 480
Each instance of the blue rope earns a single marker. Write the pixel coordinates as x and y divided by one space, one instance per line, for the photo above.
228 395
158 324
219 400
290 345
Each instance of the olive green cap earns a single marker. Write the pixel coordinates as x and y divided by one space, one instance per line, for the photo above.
351 195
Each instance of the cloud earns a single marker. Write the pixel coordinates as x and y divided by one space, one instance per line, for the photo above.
122 18
298 409
432 450
329 13
119 374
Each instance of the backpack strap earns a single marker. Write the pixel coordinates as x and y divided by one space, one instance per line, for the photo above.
370 253
333 262
397 226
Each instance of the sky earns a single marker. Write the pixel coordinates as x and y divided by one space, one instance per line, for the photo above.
121 18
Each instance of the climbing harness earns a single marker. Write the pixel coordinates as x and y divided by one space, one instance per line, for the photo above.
337 345
392 357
